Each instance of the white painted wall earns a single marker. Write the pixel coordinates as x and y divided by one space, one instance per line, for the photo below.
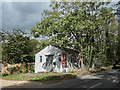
38 64
50 50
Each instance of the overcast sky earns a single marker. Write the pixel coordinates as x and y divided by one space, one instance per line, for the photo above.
22 15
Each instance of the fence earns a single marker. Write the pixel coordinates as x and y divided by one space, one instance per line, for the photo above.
26 68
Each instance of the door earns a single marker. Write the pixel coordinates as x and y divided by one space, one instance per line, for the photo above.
64 60
48 64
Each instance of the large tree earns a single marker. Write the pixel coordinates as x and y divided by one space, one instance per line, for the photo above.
118 37
16 47
80 26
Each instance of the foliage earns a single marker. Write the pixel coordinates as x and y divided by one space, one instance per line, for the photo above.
35 49
24 68
14 77
51 77
13 70
4 74
31 69
42 77
88 27
118 38
18 48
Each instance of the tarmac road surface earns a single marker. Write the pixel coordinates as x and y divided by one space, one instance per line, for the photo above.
109 79
105 79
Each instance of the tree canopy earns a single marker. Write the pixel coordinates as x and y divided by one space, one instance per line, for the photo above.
88 27
18 48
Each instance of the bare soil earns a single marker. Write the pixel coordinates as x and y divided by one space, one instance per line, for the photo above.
19 84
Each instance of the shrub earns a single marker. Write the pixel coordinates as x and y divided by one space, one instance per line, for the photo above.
5 74
10 70
26 66
31 68
23 68
13 70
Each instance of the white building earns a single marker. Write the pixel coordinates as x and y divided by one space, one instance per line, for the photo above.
53 59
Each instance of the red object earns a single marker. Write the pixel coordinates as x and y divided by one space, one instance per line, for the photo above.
64 60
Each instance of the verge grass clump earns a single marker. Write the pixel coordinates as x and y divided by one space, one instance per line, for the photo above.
43 77
51 77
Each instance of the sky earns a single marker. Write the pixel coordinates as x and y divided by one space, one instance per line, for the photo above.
22 15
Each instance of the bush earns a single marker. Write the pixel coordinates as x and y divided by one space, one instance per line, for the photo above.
26 66
5 74
23 68
31 68
10 70
14 70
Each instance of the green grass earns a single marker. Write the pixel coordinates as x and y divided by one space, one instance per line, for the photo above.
47 76
51 77
17 77
44 77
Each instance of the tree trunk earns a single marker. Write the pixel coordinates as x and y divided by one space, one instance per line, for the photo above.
82 64
81 60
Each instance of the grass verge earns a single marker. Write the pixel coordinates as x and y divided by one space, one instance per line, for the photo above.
43 77
53 76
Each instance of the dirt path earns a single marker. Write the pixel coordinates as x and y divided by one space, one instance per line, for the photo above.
24 84
19 84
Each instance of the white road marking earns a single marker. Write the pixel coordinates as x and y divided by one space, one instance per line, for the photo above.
94 86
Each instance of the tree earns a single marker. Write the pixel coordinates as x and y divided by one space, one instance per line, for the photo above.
118 36
34 45
109 28
16 47
78 26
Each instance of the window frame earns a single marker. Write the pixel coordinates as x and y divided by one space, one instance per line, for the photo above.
40 58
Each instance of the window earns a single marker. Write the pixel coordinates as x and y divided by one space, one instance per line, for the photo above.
54 63
59 58
49 59
40 58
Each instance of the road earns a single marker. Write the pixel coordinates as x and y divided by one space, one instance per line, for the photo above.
105 79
